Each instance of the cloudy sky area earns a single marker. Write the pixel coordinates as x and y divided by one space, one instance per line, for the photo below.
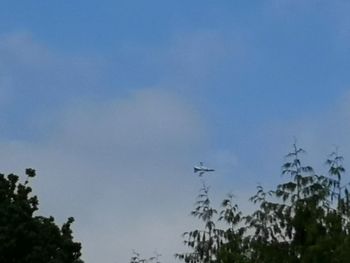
113 102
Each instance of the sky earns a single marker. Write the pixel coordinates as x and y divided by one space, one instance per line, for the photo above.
113 102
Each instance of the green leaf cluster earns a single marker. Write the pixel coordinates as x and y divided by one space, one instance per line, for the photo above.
29 238
305 219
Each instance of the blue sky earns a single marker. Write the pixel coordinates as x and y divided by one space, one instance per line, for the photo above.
89 90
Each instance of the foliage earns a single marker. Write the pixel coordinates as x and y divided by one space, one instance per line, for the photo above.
26 237
206 242
305 219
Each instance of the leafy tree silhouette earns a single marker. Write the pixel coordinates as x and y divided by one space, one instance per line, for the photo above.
306 219
26 237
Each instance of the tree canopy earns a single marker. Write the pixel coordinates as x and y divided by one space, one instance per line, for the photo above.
303 220
29 238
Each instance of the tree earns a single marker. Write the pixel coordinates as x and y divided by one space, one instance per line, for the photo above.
29 238
306 219
205 242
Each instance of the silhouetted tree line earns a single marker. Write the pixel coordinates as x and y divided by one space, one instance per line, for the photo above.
29 238
305 219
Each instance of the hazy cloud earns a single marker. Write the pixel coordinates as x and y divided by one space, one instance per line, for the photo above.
122 168
117 152
42 80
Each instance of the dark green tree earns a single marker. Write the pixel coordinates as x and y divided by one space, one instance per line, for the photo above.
306 219
204 242
29 238
234 245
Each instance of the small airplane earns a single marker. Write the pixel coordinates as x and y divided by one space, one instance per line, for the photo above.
202 169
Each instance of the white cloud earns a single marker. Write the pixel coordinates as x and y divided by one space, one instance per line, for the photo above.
121 166
122 169
42 80
197 57
318 133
